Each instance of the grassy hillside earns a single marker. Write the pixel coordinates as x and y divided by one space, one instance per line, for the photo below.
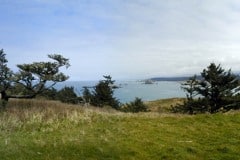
49 130
163 105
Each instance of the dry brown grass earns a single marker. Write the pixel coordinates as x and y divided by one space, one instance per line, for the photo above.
21 111
27 110
52 108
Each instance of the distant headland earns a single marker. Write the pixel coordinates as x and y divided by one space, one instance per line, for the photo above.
170 78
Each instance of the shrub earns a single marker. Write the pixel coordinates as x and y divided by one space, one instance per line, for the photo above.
67 95
49 94
136 106
192 106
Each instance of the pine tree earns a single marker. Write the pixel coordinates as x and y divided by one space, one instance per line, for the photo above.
215 89
103 93
215 85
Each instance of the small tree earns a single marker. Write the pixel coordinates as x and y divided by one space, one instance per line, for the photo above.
103 93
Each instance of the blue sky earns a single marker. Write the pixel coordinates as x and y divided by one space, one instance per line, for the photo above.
128 39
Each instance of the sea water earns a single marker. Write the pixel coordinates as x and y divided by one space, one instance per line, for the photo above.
129 90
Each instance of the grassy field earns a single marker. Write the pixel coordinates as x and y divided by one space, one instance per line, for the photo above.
37 129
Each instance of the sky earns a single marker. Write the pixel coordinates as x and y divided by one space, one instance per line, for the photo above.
127 39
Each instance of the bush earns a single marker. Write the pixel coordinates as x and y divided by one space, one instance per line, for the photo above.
192 106
49 94
67 95
136 106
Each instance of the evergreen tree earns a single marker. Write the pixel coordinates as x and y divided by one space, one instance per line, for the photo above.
103 93
215 90
215 85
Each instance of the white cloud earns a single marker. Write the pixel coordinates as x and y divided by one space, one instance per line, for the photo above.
124 38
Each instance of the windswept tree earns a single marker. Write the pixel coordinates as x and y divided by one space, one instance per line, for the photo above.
35 77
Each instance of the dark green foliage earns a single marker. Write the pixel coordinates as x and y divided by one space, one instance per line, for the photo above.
136 106
231 103
19 90
6 77
194 106
190 87
215 85
87 96
216 89
67 95
5 73
102 94
50 94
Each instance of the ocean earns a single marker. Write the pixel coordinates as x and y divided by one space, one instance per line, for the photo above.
129 90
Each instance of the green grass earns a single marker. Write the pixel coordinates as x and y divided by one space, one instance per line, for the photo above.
49 130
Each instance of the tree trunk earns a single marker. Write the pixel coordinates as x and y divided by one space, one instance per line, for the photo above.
22 96
4 96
